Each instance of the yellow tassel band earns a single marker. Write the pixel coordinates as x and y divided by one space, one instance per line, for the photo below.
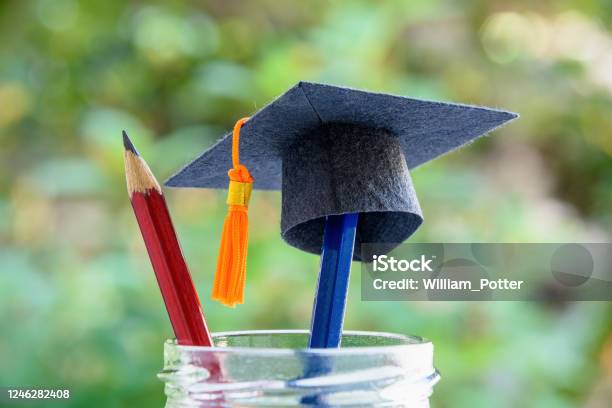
239 193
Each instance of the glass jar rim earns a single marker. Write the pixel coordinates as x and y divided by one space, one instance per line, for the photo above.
405 343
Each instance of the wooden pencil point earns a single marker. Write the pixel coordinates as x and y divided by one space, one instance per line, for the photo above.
127 143
139 177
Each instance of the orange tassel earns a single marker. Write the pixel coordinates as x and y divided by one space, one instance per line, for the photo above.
228 287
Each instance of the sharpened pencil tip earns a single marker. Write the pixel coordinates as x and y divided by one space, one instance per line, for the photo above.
127 143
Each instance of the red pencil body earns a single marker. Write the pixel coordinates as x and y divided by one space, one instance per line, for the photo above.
172 273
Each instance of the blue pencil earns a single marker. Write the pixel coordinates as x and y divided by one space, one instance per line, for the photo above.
332 287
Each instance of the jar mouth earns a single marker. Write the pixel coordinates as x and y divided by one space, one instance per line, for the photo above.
275 368
245 341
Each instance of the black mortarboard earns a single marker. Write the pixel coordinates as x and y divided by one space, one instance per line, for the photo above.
335 150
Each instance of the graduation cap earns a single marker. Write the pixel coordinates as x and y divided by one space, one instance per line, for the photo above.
334 150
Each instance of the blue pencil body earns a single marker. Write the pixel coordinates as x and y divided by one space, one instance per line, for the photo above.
332 287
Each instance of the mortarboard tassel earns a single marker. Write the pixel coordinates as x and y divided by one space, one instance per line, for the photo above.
228 287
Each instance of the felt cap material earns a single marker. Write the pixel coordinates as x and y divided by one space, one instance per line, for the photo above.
343 169
334 150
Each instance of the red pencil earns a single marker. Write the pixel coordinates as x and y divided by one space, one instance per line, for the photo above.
170 268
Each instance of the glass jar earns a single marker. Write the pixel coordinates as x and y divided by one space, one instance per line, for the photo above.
274 368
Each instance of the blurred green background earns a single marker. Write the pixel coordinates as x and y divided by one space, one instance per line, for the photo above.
79 305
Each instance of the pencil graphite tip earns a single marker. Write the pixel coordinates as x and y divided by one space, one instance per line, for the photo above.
137 173
127 143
